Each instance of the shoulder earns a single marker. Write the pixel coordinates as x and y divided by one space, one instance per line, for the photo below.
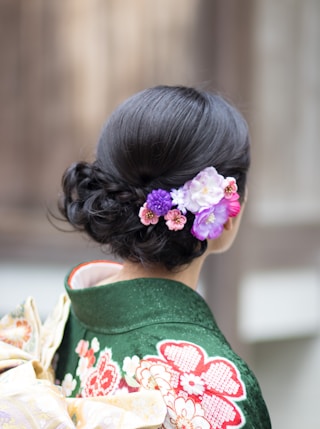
208 391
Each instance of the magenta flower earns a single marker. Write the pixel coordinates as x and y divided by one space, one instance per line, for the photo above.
208 223
234 206
147 216
159 202
175 220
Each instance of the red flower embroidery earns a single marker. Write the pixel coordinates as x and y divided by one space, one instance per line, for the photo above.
208 384
125 388
83 351
104 378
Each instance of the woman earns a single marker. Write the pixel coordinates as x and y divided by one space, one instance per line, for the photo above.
166 190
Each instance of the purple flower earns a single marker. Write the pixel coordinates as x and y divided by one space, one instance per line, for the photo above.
208 223
159 202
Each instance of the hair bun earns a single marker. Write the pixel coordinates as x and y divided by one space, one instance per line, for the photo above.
94 202
159 138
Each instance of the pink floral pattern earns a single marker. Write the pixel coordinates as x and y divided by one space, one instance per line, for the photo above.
202 391
99 374
104 379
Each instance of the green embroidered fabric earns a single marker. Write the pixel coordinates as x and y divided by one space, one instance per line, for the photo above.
140 318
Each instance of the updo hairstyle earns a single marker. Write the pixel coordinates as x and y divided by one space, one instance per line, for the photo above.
159 138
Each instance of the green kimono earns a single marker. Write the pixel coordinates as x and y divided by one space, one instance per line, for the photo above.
153 333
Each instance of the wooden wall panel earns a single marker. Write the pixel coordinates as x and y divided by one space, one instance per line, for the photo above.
65 66
286 113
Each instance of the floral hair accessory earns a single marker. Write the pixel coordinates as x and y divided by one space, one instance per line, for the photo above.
175 220
159 202
209 196
147 216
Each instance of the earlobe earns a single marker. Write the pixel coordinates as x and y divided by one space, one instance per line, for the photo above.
228 225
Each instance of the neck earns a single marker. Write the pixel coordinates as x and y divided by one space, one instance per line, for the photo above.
188 275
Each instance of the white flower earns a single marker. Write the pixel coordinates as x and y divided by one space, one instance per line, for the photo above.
130 365
192 384
68 384
185 414
178 199
154 376
82 368
95 345
204 191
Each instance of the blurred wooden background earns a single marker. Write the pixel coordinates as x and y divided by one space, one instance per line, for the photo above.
65 65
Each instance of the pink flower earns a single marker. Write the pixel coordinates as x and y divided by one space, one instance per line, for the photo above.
234 206
147 216
91 357
82 348
175 220
230 187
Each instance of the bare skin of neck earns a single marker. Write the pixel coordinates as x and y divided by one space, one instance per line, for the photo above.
189 275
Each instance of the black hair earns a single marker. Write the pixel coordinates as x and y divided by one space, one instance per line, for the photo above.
159 138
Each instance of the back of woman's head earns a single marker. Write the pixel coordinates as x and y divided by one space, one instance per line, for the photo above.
159 138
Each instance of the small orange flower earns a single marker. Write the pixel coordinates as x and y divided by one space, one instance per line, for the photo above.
17 333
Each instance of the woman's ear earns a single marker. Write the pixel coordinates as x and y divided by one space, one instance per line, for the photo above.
228 225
